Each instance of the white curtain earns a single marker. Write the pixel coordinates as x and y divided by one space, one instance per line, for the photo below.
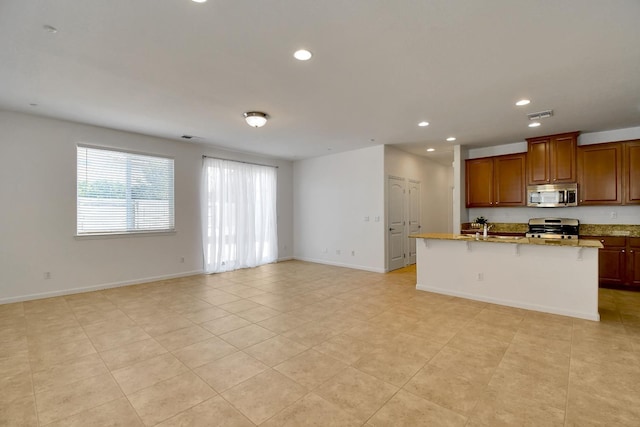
239 215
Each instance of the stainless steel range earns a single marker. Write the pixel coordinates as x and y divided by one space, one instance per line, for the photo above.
553 228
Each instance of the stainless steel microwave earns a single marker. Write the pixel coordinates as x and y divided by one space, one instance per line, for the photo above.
552 195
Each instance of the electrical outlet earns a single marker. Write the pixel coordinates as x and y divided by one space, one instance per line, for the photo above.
47 275
480 277
337 251
353 253
377 219
614 214
366 219
325 250
182 260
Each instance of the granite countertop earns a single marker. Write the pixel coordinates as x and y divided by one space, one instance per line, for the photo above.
619 230
610 230
510 240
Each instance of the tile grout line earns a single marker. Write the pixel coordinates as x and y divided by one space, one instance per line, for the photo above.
106 367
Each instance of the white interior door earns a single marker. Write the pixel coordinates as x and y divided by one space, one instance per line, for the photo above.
413 218
395 222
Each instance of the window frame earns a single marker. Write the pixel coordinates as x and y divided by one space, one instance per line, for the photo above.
128 233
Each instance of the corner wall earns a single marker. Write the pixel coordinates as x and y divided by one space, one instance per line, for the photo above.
332 196
38 214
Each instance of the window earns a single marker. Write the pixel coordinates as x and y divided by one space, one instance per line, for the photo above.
239 215
120 192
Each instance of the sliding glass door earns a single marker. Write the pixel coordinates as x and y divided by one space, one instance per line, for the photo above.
239 215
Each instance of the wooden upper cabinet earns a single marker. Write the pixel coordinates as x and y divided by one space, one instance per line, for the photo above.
496 181
509 186
552 159
631 172
563 158
600 174
479 182
538 155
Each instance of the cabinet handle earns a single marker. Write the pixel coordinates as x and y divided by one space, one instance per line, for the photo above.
554 179
631 251
623 251
602 241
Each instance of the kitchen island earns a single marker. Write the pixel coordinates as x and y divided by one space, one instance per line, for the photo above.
559 277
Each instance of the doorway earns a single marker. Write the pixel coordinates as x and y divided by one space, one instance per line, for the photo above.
403 220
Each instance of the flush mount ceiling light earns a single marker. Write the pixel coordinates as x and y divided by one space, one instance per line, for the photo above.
199 1
50 29
451 138
423 124
302 55
534 124
255 119
431 149
523 102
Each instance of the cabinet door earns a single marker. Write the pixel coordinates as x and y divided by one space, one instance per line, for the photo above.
632 172
633 262
612 261
509 180
600 174
562 158
479 180
538 160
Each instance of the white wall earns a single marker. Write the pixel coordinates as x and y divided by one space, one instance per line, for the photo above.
38 217
435 184
586 214
332 195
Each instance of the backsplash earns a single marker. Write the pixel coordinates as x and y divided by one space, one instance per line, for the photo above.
585 229
585 214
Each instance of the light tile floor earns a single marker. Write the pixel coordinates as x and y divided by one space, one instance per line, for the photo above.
295 343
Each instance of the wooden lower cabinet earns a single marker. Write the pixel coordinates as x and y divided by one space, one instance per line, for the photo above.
619 261
633 261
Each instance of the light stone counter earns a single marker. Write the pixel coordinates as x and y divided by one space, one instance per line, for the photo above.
559 278
581 243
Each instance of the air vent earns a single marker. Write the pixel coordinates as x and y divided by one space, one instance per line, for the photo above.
540 115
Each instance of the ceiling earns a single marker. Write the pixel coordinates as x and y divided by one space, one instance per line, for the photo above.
172 67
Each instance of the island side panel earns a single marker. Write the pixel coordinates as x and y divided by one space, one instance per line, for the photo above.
553 279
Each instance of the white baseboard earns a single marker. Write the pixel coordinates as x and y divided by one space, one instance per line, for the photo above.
534 307
338 264
99 287
287 258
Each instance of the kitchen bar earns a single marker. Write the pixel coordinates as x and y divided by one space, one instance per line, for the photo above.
552 276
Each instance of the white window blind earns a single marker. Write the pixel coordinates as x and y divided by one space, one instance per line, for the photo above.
120 192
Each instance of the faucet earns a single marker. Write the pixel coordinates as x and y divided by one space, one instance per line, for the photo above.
485 231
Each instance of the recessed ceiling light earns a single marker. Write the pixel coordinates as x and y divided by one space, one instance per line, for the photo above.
302 55
50 29
451 138
423 124
534 124
199 1
431 149
523 102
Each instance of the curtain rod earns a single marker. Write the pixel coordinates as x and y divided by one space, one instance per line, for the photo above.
239 161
